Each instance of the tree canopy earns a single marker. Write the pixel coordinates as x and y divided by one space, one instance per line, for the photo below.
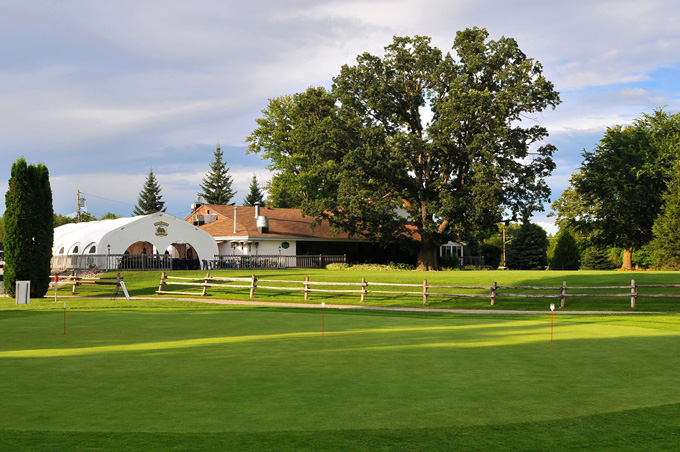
149 200
416 146
216 185
28 224
529 248
255 195
617 194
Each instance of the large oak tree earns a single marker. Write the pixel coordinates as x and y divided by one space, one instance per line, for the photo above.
415 146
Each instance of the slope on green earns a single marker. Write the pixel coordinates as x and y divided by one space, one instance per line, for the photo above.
256 379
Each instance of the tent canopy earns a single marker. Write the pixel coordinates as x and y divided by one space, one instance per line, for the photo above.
159 230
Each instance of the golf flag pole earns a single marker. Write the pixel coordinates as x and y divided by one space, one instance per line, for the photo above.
56 280
64 317
323 313
552 320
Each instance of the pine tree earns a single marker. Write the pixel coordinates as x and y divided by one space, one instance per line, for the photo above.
28 224
149 200
566 255
255 196
529 248
216 184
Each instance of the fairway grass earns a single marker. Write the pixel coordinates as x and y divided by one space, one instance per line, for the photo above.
266 379
144 284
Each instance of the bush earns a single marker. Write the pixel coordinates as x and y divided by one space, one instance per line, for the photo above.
529 248
450 262
566 255
338 266
492 254
594 258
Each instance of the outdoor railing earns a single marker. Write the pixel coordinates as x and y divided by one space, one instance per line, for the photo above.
274 261
103 262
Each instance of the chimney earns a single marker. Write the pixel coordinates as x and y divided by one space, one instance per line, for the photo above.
262 225
257 210
235 219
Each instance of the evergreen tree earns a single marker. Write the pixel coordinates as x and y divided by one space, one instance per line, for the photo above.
29 231
566 255
666 243
216 184
149 200
595 258
255 196
529 248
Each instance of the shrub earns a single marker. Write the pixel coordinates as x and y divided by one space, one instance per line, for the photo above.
529 248
566 255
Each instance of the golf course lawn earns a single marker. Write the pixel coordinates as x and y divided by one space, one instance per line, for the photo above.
267 379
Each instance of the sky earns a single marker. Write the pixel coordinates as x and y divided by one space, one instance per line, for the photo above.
101 92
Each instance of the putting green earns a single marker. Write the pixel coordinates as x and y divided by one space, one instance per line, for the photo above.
267 370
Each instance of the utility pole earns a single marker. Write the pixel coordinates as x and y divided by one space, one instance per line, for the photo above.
80 203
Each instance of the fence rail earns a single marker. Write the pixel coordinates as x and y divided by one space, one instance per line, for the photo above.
492 292
165 262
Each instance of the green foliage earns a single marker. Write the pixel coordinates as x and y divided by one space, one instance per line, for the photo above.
149 200
28 221
529 248
449 262
595 258
255 195
217 183
492 254
618 193
358 153
566 255
665 247
110 216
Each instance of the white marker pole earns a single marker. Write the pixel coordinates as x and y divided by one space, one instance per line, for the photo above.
64 317
323 312
552 320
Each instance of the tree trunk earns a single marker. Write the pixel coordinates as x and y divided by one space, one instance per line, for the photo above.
627 259
427 258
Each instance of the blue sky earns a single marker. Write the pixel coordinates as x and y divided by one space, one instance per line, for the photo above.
102 91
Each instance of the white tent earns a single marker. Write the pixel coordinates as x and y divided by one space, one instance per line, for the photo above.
146 234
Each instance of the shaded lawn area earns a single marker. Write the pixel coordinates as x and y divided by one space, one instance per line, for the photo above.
144 284
265 379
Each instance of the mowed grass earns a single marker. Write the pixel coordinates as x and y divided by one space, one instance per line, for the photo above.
266 379
144 284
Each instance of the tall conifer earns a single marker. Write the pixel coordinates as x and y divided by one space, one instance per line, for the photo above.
216 184
149 200
28 224
255 195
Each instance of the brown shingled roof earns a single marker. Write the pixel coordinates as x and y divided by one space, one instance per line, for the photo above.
283 223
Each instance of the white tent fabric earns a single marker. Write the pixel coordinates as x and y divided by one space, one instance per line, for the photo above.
115 236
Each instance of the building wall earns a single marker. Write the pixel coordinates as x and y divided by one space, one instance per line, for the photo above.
263 247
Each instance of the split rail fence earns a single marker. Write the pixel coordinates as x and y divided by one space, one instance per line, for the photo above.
424 290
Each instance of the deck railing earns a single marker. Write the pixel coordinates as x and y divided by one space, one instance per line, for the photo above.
103 262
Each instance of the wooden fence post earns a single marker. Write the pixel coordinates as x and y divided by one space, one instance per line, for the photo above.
633 293
424 292
119 279
253 282
160 285
306 288
494 287
205 284
563 294
363 289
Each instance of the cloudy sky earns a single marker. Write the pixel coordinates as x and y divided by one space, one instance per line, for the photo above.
103 91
